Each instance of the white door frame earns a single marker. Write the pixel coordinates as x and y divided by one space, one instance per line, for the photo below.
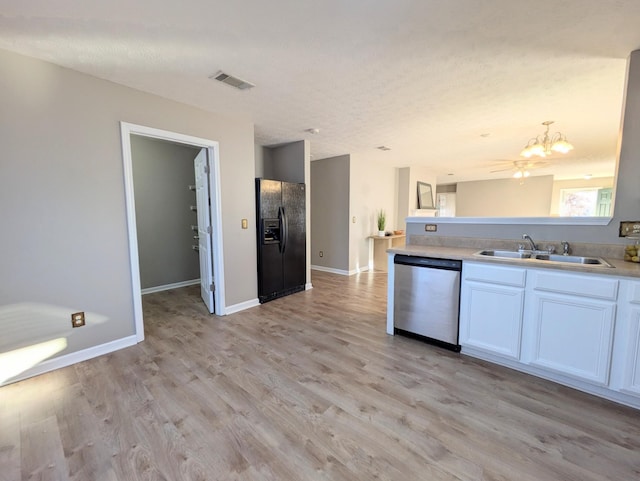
126 130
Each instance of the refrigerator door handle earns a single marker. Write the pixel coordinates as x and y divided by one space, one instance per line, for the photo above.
284 227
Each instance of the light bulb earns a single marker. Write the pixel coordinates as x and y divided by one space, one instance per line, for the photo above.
526 152
537 149
562 146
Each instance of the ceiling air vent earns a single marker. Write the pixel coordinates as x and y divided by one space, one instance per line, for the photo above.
233 81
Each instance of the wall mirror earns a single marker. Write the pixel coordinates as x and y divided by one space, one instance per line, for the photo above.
575 186
425 196
539 196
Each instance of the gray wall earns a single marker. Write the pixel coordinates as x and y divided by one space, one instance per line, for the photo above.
505 197
285 162
62 197
372 187
330 212
404 180
162 173
262 157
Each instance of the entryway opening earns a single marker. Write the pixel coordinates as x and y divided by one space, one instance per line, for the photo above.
198 233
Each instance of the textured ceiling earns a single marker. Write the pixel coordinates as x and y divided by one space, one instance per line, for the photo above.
425 78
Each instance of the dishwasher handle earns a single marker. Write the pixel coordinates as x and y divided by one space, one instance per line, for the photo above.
447 264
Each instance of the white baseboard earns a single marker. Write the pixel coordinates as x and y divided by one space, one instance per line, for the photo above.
167 287
330 270
74 358
308 286
241 306
585 386
339 271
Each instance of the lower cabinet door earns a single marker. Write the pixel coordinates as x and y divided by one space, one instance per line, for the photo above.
572 336
491 318
631 380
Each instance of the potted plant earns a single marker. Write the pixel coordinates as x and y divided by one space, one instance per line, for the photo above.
382 220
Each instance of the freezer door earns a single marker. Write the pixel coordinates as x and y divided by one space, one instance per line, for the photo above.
294 240
269 198
426 302
268 209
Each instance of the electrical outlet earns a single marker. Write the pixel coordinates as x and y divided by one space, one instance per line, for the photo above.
321 254
77 319
629 228
430 227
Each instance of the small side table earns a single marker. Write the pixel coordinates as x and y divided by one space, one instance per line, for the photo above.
378 247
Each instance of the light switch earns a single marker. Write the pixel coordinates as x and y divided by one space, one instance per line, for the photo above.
245 224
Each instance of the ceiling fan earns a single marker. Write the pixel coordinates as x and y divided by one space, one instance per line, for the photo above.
521 168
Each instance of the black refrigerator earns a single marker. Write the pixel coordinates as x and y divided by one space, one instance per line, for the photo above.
282 240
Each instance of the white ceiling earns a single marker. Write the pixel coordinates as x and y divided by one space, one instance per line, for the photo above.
423 77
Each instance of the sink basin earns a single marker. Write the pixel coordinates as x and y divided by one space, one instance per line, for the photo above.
573 259
591 261
506 254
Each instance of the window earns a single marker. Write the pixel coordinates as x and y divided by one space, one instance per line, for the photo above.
585 202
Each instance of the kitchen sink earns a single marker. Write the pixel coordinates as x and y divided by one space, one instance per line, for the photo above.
533 256
506 254
573 259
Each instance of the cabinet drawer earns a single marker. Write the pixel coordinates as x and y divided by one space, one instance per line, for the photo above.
582 285
506 276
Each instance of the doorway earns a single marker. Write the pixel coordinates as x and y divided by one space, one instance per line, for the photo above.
212 179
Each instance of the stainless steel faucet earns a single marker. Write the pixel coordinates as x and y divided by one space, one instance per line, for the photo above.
527 237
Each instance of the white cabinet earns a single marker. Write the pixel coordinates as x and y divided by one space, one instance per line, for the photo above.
580 329
491 308
572 336
631 346
571 319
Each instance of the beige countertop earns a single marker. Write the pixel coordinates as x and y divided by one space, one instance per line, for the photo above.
620 267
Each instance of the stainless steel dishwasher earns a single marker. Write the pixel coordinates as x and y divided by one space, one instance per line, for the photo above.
426 301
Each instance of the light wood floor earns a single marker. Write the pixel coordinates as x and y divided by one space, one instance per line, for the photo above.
307 387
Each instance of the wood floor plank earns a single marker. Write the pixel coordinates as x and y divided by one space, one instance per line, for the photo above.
10 447
42 453
86 452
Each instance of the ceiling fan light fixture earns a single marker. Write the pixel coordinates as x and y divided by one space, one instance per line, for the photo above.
521 174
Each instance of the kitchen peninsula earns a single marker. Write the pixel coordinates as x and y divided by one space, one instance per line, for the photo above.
575 324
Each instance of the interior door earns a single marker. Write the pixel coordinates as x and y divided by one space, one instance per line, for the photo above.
201 167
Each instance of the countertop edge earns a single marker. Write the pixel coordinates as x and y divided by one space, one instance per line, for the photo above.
620 267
